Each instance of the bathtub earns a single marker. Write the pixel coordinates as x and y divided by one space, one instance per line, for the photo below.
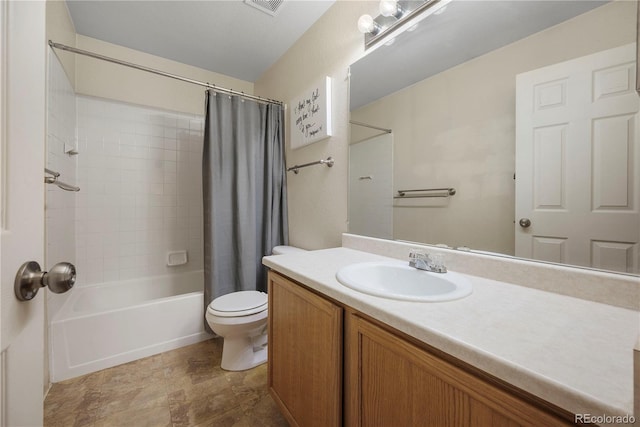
107 324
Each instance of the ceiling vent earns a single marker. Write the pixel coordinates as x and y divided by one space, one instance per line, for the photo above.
267 6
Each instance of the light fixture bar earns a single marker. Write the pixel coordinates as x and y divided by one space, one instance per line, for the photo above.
409 14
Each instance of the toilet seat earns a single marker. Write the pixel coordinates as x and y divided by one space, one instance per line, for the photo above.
236 304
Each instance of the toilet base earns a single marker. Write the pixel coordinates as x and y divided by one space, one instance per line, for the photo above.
242 353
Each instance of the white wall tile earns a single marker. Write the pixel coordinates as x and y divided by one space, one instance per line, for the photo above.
138 203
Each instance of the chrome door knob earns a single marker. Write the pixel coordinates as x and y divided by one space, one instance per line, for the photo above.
524 222
30 279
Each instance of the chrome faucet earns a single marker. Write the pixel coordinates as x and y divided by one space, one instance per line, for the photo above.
423 261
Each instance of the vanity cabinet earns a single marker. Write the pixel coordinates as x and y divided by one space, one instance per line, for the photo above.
391 382
305 354
389 379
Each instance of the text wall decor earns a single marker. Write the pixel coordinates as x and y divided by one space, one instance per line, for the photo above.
310 119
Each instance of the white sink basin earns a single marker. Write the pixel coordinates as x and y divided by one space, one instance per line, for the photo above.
396 280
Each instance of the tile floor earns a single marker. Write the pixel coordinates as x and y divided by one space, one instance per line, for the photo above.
183 387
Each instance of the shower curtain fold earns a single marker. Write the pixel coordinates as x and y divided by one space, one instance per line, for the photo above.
244 192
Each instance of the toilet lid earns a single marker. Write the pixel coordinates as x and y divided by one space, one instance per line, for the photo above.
242 303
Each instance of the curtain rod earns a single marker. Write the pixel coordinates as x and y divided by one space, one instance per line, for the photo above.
162 73
385 130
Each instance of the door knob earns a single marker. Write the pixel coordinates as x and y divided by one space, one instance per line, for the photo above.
524 222
30 279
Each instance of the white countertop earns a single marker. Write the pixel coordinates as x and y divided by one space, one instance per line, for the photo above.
574 353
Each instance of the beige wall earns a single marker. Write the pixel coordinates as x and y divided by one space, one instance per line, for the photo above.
458 129
318 195
112 81
60 29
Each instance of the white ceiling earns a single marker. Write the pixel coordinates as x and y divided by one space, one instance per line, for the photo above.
224 36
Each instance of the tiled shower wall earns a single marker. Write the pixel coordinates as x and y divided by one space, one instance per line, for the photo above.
60 205
140 171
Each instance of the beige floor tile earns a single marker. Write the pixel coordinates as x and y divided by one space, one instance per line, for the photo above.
200 409
149 417
74 402
191 372
182 387
233 418
70 419
249 384
141 396
211 349
263 412
190 391
133 373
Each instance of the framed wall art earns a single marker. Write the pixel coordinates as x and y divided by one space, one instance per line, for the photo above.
310 119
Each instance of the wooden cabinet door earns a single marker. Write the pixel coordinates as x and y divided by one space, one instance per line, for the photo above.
305 354
391 382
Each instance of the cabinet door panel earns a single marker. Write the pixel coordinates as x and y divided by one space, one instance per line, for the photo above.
390 381
395 389
481 416
305 354
384 384
436 402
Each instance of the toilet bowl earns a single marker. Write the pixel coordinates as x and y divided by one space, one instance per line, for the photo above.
240 318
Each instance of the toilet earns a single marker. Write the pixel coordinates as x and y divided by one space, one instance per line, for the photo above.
240 318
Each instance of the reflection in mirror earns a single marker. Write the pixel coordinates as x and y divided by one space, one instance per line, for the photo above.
370 183
528 109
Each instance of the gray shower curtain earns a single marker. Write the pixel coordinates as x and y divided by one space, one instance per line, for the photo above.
244 189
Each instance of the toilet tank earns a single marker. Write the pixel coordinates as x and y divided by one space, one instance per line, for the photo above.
281 250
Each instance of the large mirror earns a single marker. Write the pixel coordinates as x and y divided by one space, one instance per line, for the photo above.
508 127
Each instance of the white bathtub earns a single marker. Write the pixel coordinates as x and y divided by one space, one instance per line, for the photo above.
107 324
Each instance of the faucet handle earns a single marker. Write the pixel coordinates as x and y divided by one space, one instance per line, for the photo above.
417 254
416 258
437 263
419 259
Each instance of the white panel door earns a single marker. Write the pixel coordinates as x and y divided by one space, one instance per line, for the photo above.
578 162
371 187
22 136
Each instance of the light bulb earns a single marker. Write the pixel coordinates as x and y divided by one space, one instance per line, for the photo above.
366 24
388 8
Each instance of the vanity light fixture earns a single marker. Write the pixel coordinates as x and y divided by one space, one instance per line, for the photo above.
395 17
